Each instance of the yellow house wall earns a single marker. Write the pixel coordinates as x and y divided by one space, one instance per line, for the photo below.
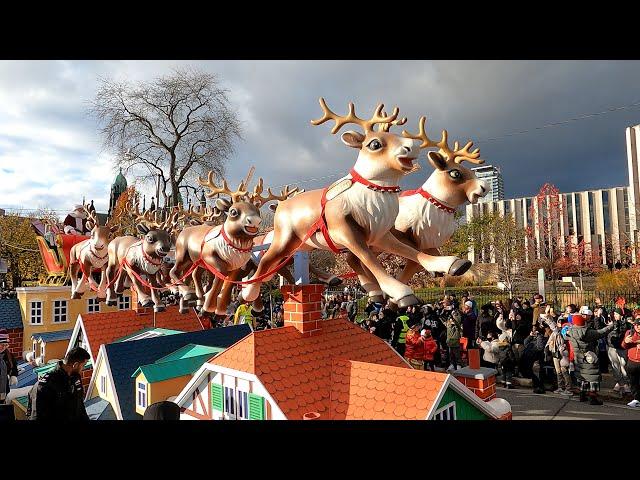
101 369
53 350
159 391
47 295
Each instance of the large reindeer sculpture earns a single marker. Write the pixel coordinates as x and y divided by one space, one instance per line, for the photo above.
141 258
225 248
88 255
426 218
356 213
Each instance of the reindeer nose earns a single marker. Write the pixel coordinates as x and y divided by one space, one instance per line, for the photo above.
406 150
483 189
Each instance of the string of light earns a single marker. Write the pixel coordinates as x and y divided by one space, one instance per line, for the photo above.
489 139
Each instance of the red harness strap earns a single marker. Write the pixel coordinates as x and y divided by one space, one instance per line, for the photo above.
430 198
230 243
321 224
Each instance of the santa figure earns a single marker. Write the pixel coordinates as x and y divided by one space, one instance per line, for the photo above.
76 222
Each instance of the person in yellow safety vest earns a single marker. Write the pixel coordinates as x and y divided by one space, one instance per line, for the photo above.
244 315
400 329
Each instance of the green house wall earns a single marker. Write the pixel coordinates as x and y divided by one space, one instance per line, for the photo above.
465 410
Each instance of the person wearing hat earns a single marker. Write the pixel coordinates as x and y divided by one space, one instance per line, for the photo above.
400 330
584 340
414 345
76 222
616 352
631 343
430 349
8 367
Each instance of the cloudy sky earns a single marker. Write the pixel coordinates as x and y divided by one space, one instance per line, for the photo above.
51 154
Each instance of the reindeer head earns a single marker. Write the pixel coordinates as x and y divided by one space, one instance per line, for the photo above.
158 237
451 182
100 236
242 215
381 152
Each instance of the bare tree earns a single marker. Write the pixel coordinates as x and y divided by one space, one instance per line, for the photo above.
173 128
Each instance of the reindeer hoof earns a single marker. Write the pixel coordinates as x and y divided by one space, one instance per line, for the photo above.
407 301
189 297
112 303
75 296
459 267
101 299
184 310
147 304
159 308
393 306
335 281
377 298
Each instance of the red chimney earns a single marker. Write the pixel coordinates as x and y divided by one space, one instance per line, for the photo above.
302 307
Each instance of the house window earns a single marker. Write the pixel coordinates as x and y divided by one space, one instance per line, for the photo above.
124 302
243 405
229 401
448 412
59 311
93 305
35 313
103 384
142 395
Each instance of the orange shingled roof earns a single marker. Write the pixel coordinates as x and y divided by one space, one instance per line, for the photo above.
367 391
296 369
102 328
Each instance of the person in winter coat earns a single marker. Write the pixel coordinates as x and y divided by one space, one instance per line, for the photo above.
384 327
352 309
400 329
485 322
454 333
533 352
59 395
414 345
584 340
631 343
557 346
469 321
430 349
491 355
8 367
616 352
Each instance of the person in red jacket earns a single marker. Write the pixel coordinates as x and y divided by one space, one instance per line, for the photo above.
430 349
414 349
631 344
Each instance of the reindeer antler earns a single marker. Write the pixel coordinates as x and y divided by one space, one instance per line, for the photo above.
172 222
456 155
257 198
148 217
224 190
367 125
91 215
384 127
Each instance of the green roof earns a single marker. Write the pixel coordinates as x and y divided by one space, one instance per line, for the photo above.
40 371
158 331
157 372
24 401
120 182
188 351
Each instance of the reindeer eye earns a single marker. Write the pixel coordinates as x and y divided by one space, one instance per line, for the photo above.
374 145
233 212
455 174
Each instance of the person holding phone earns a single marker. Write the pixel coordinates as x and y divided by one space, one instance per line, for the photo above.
631 344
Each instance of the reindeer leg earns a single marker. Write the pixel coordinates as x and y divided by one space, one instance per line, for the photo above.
197 282
390 244
225 294
158 306
103 284
75 282
183 263
366 278
281 247
347 232
211 297
111 294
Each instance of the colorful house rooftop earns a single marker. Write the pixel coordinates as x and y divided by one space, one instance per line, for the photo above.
164 370
10 316
103 328
53 336
297 369
149 332
124 358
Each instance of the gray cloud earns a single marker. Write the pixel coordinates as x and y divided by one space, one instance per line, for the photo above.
46 130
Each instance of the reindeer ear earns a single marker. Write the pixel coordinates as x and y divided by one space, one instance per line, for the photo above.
143 229
353 139
222 204
437 160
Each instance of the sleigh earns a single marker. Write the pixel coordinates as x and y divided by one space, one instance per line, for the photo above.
55 250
